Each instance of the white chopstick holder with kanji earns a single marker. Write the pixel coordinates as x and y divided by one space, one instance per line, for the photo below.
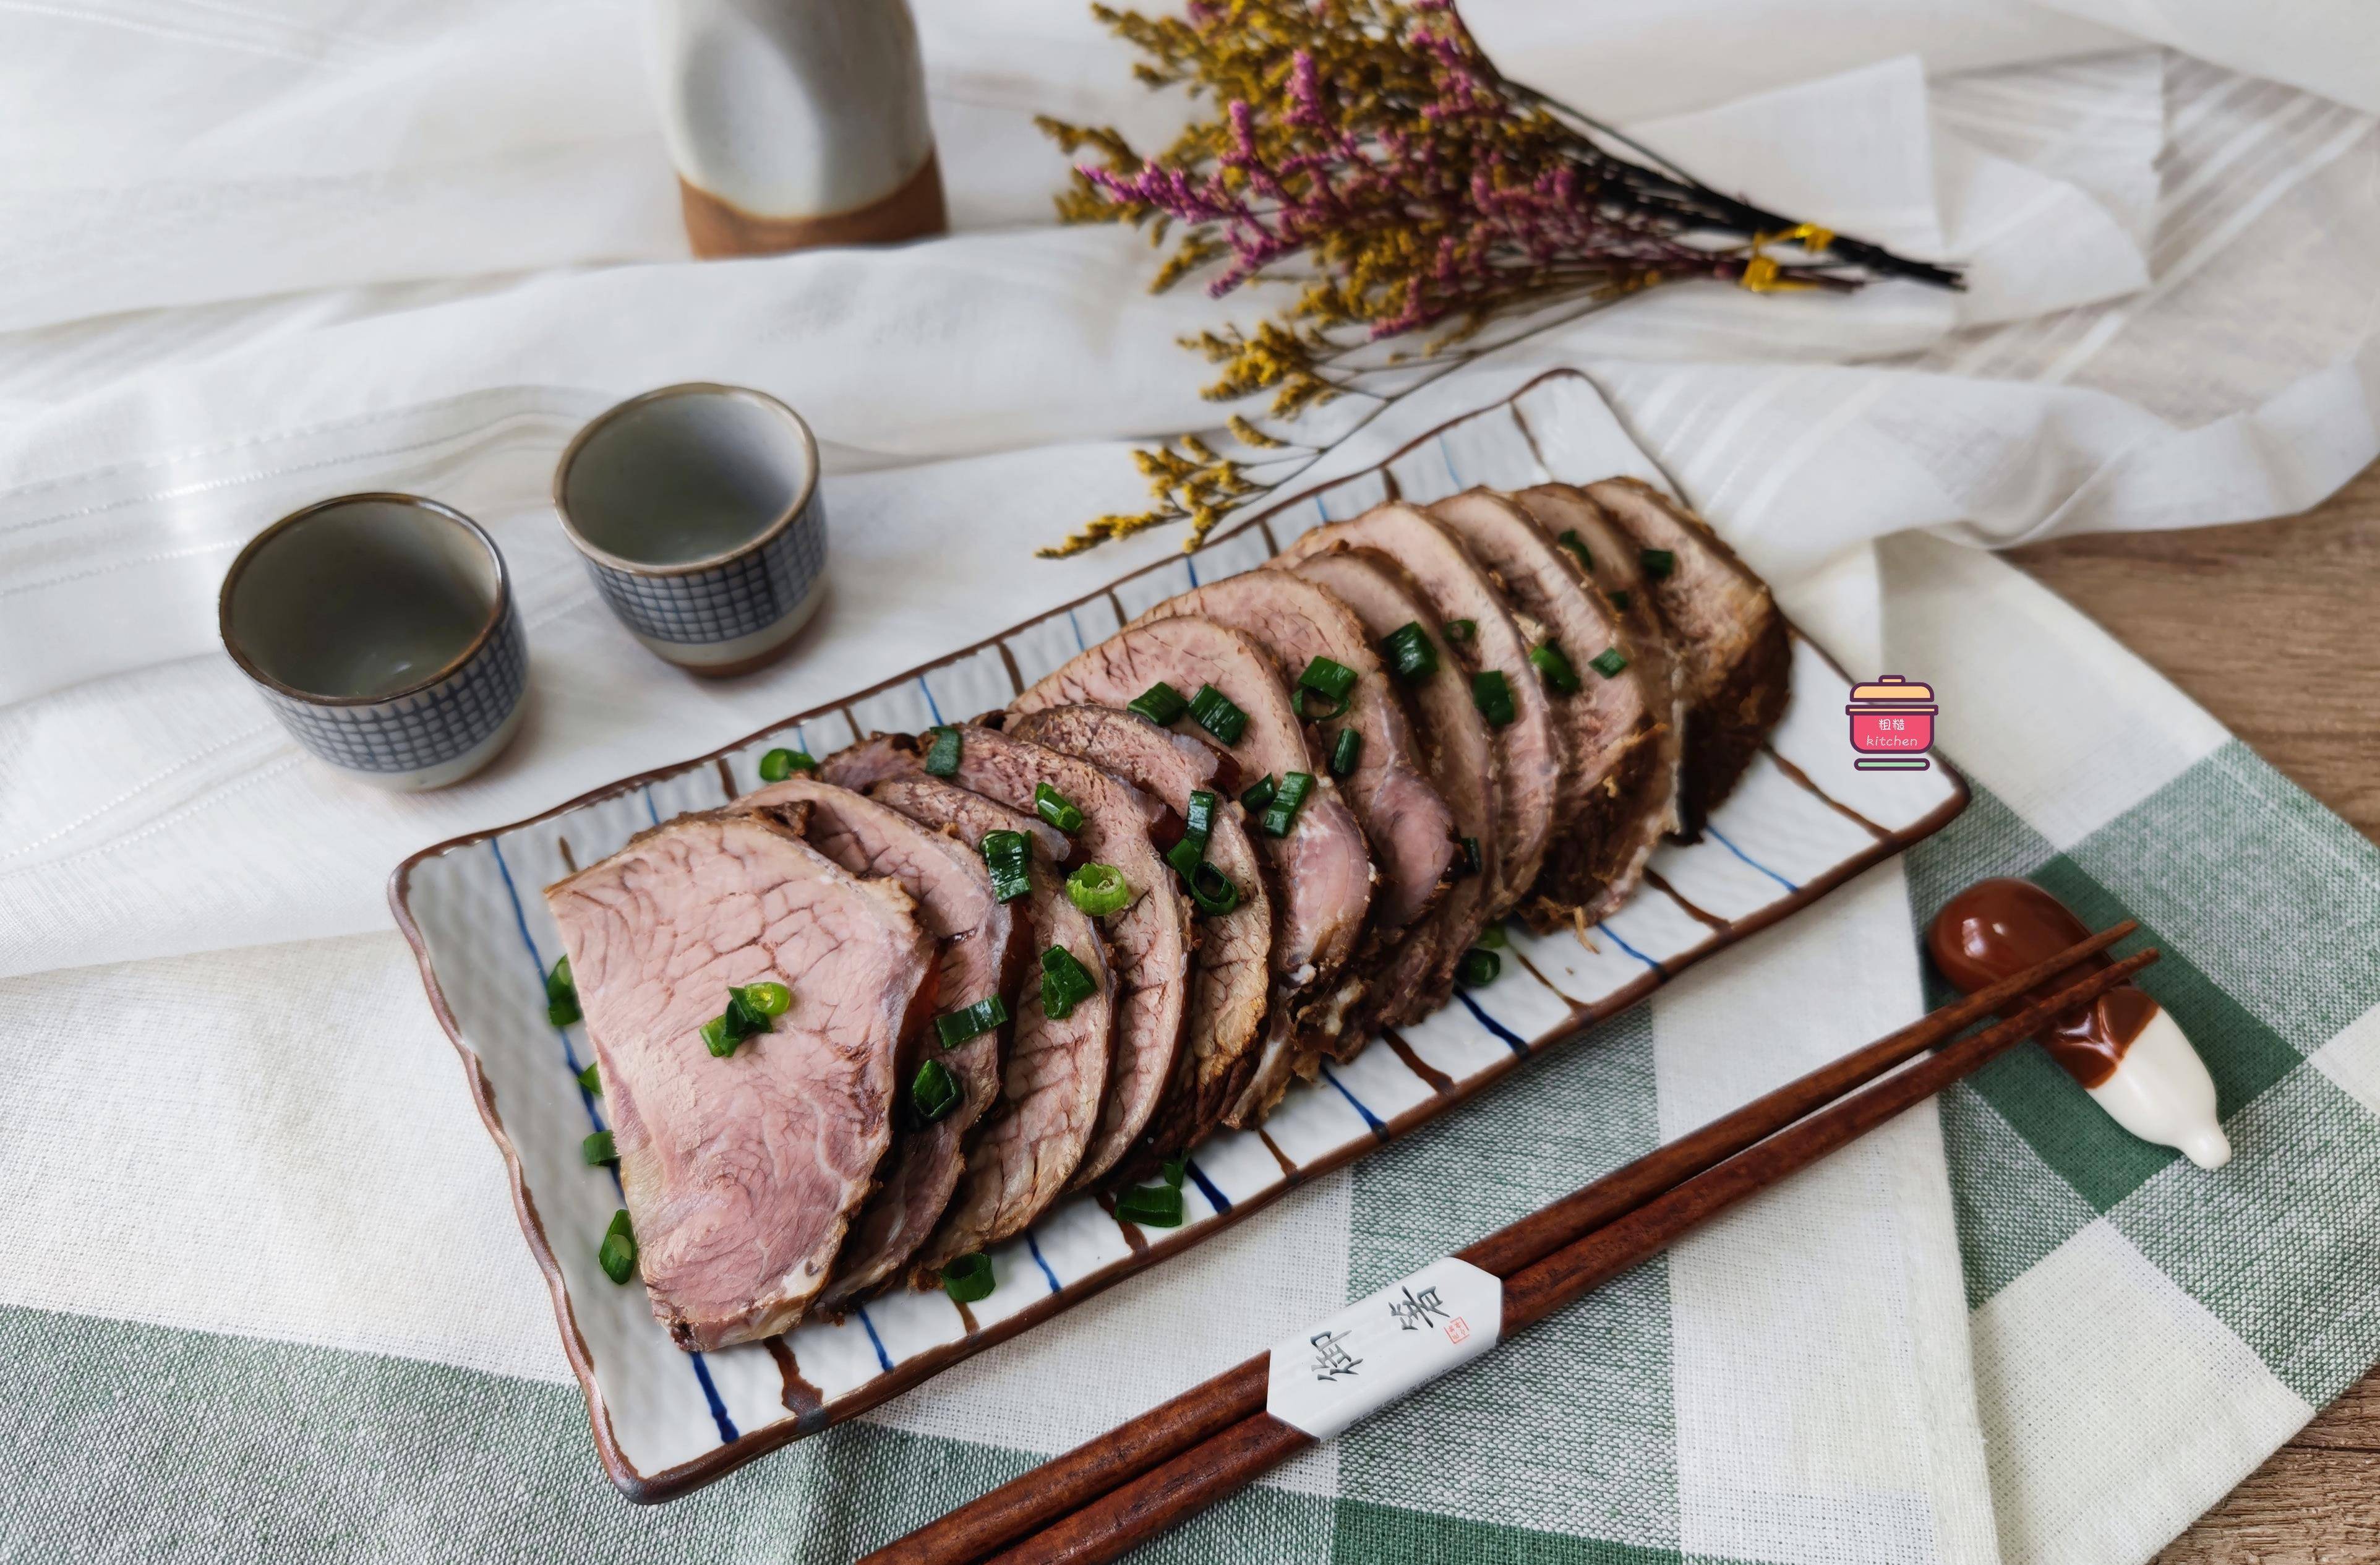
1384 1345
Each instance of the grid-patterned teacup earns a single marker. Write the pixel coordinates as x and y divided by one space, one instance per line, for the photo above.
696 509
382 630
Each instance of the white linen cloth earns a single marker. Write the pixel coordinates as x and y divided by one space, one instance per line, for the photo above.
253 257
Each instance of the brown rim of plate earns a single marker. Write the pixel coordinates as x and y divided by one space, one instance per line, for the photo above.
447 670
650 1489
710 562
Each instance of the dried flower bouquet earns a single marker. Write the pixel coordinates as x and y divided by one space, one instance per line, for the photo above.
1369 153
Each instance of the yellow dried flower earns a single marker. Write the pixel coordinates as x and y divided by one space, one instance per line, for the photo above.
1370 153
1248 435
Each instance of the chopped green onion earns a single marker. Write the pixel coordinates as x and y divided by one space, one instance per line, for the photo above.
1620 600
1213 711
1008 855
1345 751
1461 630
1493 937
933 1092
1492 694
1470 863
1213 890
942 756
769 999
1099 890
560 994
1065 983
1609 663
1186 855
1555 668
1150 1205
1281 813
1657 562
1576 545
742 1018
778 765
598 1150
1057 808
1198 819
1259 793
590 1082
968 1279
1410 652
955 1027
1175 1170
1478 968
618 1255
1160 703
1331 680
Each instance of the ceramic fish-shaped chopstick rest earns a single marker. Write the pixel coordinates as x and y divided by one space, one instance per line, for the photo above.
2124 1050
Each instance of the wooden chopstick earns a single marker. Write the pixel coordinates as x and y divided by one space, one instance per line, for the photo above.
1228 1462
1068 1483
1241 1453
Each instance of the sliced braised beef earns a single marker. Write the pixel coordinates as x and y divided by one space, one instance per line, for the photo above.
1459 753
1150 939
1609 713
1731 640
1057 1067
982 951
1408 825
1322 869
742 1173
1606 558
1231 973
1477 626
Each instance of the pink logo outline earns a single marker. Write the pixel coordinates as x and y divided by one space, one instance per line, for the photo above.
1891 723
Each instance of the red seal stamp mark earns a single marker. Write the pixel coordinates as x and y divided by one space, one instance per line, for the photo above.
1458 1329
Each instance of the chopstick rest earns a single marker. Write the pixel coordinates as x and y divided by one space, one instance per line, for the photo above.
1384 1346
2124 1050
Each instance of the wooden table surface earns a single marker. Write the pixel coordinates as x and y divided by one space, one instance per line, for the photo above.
2237 616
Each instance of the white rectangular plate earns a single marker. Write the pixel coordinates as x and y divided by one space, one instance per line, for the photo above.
1802 822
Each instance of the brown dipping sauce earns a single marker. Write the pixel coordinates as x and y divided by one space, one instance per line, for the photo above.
1998 926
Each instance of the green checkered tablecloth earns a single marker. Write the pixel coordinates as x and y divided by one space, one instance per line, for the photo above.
2009 1332
2146 1333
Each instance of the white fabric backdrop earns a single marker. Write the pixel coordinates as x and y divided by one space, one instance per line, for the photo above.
2141 347
252 256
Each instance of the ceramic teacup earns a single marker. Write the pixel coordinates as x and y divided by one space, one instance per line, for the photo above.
696 509
382 632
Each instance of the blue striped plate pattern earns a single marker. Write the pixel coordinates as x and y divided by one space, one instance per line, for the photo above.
666 1422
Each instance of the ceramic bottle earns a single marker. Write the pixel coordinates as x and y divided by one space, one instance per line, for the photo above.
796 123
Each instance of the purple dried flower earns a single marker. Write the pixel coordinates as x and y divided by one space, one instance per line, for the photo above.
1370 147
